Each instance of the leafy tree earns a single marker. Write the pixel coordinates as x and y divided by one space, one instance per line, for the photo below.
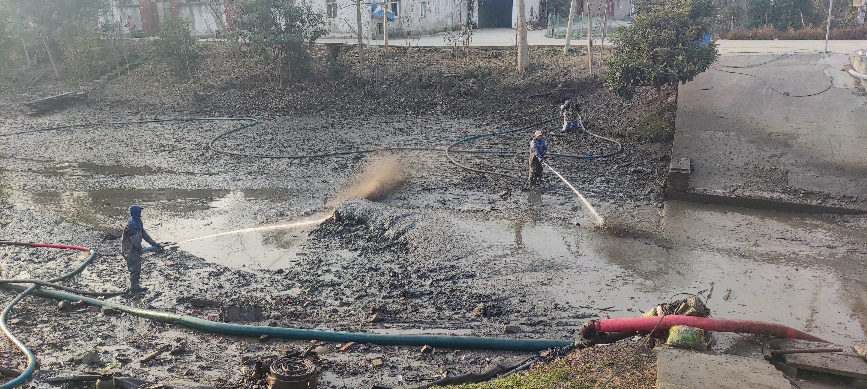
759 13
177 48
281 31
662 46
48 21
791 14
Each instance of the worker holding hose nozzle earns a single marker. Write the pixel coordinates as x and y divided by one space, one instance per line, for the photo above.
538 149
570 110
131 248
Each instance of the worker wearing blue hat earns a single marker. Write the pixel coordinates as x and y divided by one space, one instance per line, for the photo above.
131 248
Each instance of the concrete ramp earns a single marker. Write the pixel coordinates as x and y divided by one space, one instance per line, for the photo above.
684 369
787 128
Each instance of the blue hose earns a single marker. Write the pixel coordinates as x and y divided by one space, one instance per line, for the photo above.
31 359
440 341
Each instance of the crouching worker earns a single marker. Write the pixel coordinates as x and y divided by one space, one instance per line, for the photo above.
131 248
570 111
538 149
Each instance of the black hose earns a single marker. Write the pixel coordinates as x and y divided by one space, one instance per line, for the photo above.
212 143
787 94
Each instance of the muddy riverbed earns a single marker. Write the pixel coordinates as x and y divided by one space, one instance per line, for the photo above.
423 248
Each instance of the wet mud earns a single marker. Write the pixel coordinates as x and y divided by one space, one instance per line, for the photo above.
409 243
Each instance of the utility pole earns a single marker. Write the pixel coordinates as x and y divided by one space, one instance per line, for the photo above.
828 27
569 26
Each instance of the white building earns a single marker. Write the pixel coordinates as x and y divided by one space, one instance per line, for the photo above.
143 17
417 17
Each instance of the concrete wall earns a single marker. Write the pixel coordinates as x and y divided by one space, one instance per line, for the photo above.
859 63
440 15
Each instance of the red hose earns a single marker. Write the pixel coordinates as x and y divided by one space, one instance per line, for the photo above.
46 245
647 324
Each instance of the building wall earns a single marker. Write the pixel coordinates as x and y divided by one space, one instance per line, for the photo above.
148 14
440 15
201 17
531 11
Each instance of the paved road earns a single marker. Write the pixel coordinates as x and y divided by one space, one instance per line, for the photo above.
506 37
751 134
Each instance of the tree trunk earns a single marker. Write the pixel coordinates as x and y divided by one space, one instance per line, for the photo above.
53 55
385 28
358 26
523 48
602 44
589 38
26 53
569 26
659 98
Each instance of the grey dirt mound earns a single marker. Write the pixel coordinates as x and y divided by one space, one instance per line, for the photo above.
373 227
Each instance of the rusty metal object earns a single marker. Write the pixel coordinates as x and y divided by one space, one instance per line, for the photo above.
292 373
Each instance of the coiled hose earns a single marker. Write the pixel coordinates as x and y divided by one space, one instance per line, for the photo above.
31 359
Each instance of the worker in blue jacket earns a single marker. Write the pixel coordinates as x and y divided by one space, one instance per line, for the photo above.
538 149
131 248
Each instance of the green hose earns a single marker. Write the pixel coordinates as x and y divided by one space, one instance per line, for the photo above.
31 359
439 341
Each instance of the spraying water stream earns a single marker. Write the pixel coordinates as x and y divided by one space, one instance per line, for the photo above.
599 220
263 228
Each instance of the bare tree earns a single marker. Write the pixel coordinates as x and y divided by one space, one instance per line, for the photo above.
217 10
385 27
523 48
569 26
589 37
358 28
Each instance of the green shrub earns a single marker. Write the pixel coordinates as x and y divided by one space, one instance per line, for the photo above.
177 48
654 128
810 33
281 32
85 54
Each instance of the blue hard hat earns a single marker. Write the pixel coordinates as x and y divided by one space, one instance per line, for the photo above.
135 210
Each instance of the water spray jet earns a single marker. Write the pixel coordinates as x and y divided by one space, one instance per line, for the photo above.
599 220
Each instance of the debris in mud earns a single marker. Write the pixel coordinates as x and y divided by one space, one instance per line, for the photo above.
480 310
54 103
161 349
242 313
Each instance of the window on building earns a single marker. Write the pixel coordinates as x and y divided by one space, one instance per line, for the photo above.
422 9
395 8
331 8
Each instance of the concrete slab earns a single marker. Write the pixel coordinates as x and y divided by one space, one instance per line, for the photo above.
831 363
682 369
749 133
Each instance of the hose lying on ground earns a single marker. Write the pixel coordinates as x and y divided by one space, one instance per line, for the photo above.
449 150
250 122
31 359
652 323
438 341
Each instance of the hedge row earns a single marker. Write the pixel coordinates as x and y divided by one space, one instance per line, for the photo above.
770 33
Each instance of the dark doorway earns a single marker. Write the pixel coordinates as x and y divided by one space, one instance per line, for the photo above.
495 13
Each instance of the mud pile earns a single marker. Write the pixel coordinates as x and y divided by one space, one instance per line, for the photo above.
368 226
